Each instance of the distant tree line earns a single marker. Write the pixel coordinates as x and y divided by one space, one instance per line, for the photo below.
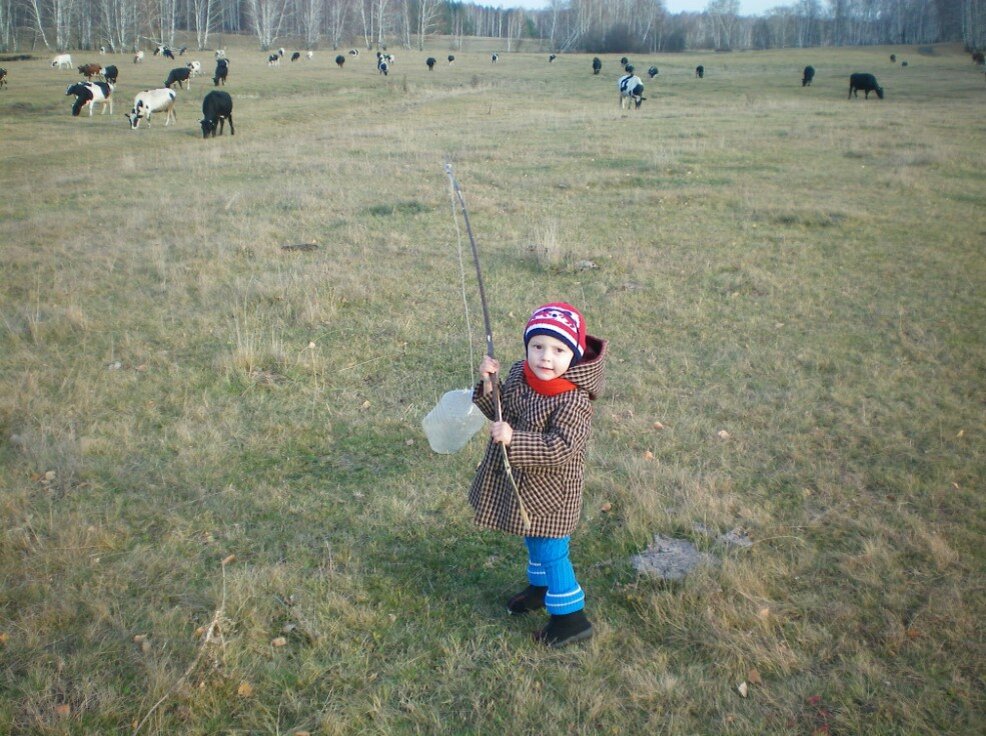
565 25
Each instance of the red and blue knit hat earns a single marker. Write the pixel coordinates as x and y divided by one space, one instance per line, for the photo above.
561 321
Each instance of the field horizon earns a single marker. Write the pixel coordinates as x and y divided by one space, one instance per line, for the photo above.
218 510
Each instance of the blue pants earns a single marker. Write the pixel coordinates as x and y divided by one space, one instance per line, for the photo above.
548 565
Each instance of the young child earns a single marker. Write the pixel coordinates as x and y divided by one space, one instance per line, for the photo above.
547 414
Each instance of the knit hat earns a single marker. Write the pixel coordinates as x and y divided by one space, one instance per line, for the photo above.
561 321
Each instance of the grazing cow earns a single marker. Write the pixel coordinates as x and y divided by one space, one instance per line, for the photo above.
865 83
309 55
158 49
340 60
383 67
354 52
62 61
624 61
978 57
195 67
169 53
494 58
138 57
652 72
807 76
182 50
552 57
450 58
597 65
3 78
151 101
893 58
222 71
179 74
903 63
90 70
110 73
217 107
631 90
274 60
89 93
430 61
102 50
700 71
295 56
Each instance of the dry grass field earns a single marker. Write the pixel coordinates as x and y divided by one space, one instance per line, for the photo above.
218 512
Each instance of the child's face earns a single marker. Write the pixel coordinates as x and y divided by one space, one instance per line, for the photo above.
548 356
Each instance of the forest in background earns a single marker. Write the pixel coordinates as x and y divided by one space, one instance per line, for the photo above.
595 26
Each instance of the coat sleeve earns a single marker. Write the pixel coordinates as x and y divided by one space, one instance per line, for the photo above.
564 436
485 403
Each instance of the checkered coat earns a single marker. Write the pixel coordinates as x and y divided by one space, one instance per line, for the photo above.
547 451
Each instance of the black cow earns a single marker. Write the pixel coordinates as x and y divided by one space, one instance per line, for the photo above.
700 71
652 72
450 58
865 82
809 74
295 56
430 61
3 77
222 71
340 60
110 73
179 74
217 107
596 65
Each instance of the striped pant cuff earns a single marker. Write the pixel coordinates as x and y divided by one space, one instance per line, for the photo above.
559 604
536 574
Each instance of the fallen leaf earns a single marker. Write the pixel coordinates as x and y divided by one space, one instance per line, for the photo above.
658 426
311 345
754 677
409 442
722 434
814 699
3 638
63 710
279 641
648 455
199 632
288 628
961 432
245 690
145 646
229 560
913 633
606 507
50 475
743 689
138 638
764 612
366 404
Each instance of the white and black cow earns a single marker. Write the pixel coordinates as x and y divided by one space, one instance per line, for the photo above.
150 101
89 93
382 66
354 52
179 75
631 90
138 57
494 58
195 67
222 71
217 107
62 61
274 60
110 73
3 78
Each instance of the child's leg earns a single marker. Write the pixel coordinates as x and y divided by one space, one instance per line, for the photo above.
549 557
532 597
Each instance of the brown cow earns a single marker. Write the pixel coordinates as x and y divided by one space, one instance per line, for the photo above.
90 70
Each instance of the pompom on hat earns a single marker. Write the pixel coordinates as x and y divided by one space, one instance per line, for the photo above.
561 321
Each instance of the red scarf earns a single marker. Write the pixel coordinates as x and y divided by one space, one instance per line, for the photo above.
547 388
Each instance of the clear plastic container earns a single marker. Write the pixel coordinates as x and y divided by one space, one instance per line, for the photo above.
453 421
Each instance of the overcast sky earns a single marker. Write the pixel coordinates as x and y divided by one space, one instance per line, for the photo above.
747 7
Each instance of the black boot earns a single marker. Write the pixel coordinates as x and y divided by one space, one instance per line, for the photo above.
528 600
566 629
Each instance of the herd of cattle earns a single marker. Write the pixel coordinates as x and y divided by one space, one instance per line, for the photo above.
217 106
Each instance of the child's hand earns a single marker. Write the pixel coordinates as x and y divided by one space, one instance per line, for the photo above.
488 366
501 432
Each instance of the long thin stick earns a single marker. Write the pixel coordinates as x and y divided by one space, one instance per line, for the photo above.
494 379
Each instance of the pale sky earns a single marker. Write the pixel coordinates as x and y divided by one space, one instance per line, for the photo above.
747 7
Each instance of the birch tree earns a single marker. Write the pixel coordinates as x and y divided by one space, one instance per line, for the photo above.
266 17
